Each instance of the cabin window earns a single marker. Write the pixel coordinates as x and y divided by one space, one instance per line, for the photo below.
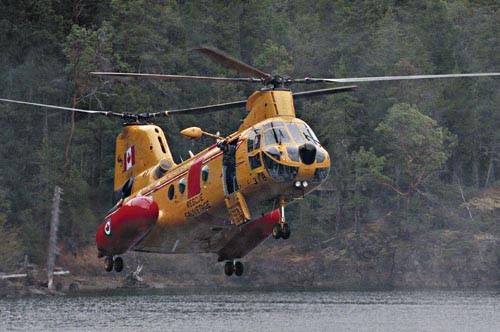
204 173
182 185
161 145
171 192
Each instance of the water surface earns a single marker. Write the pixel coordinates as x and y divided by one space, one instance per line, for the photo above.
266 310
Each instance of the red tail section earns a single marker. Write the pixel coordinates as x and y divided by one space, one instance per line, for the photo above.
126 226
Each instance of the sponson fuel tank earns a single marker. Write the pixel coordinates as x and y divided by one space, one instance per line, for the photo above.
126 225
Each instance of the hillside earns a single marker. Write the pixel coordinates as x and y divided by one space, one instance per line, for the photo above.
377 258
412 197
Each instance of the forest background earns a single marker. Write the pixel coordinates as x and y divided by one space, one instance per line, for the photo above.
421 156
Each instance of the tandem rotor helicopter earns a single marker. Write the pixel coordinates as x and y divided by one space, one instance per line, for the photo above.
230 197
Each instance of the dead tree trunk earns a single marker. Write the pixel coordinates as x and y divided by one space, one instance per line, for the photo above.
54 224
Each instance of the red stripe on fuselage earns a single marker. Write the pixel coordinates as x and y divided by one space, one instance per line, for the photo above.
194 175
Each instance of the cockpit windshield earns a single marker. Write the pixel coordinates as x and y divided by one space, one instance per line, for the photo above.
303 133
276 134
295 131
279 132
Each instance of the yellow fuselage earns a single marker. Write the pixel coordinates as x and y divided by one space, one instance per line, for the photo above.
277 158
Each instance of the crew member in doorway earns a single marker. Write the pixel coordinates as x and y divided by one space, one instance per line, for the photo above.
229 166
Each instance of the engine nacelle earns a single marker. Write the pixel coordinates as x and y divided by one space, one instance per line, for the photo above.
126 226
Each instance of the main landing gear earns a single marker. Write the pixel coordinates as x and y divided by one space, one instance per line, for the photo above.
110 262
281 229
235 267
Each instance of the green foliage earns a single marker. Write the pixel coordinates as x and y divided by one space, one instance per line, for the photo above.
274 59
416 148
10 246
85 50
368 166
147 36
383 152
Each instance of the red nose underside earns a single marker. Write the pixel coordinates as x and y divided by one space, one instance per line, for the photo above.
266 223
252 235
126 226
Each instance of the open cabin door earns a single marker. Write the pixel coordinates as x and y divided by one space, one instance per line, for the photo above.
235 202
237 208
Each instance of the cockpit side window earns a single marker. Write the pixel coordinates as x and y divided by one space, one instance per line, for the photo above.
253 141
250 141
256 143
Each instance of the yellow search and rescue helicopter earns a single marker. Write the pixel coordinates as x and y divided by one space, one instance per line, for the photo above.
231 196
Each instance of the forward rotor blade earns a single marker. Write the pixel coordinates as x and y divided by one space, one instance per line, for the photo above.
242 103
389 78
110 114
178 77
231 63
313 93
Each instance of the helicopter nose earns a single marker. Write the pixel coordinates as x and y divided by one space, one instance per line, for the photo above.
307 152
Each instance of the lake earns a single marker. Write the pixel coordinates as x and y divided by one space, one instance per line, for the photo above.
255 310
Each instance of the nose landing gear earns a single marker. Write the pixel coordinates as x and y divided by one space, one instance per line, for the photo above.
281 229
235 267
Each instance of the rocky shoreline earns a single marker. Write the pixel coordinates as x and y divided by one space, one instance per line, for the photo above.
374 260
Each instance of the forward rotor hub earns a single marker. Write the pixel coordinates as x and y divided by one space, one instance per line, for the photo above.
277 82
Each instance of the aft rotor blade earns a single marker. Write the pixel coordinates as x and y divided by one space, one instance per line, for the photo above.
110 114
314 93
231 63
178 77
199 110
389 78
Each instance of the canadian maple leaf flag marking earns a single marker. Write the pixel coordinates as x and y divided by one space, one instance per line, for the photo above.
129 159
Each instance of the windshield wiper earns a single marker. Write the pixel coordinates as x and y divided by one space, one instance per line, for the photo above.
275 135
310 137
281 134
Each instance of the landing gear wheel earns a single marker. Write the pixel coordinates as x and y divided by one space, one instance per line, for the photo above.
108 263
238 268
229 268
118 264
285 231
277 231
